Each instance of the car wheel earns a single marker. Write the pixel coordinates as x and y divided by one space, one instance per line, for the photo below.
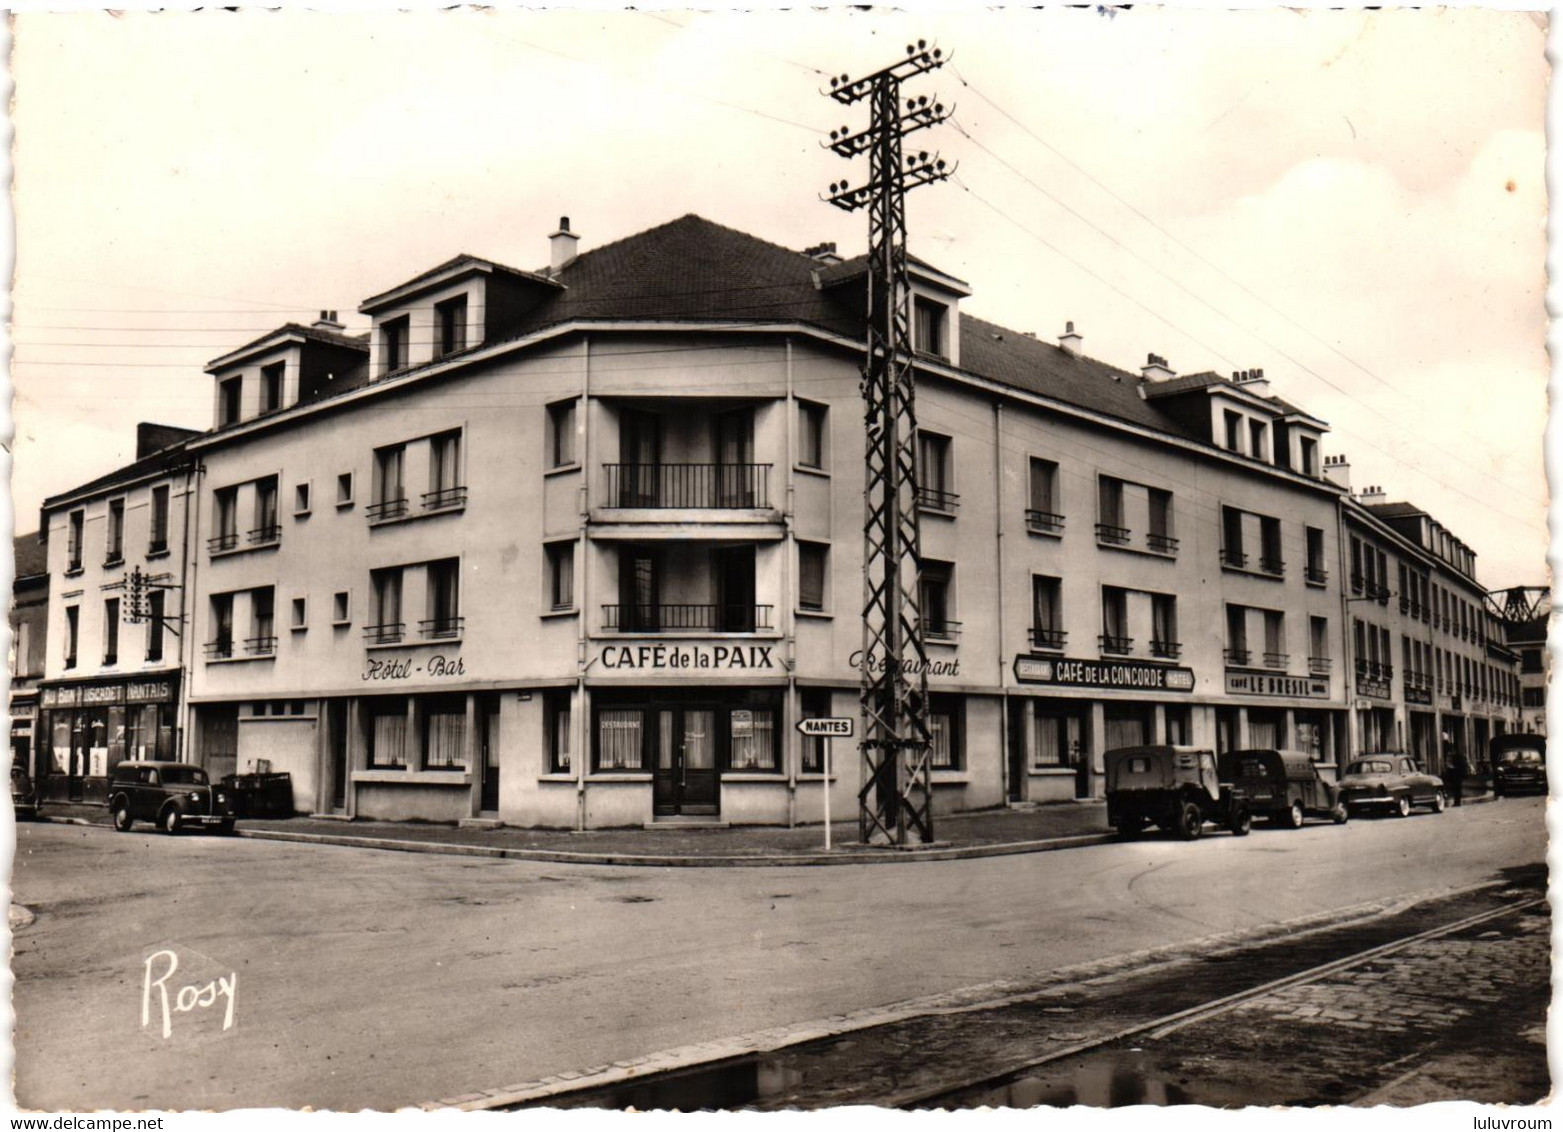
1189 822
1439 801
1242 822
122 816
225 828
1340 814
168 820
1293 818
1403 806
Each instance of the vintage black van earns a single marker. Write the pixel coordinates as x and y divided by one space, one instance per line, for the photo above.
1519 764
1174 787
1284 786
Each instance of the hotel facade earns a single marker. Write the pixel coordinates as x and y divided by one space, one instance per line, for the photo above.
577 547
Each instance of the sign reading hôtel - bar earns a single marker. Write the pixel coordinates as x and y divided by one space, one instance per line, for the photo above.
1124 674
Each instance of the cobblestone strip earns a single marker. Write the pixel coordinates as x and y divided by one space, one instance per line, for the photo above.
982 996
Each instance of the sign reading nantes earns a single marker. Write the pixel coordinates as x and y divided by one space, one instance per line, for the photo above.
1124 674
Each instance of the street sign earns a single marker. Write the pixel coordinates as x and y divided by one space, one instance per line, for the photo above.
829 727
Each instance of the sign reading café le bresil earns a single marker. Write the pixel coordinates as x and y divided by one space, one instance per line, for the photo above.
1122 674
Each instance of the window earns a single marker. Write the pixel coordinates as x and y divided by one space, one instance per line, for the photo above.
561 434
451 317
1234 430
344 489
72 627
73 542
933 599
221 645
1318 645
157 533
267 527
444 732
1256 439
1358 580
556 731
928 318
1533 697
114 551
393 345
341 608
228 393
1237 635
301 500
111 631
385 719
225 504
1270 560
561 575
155 607
1047 625
1310 456
271 387
444 600
1232 553
1109 512
815 705
813 559
1160 537
445 486
946 749
263 623
390 495
812 435
386 625
933 472
1275 639
20 665
1042 511
1530 660
752 738
300 616
1315 571
1164 626
1115 621
619 732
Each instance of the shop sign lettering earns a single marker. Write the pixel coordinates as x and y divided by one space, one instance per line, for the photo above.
873 662
678 658
1377 687
1419 695
1103 674
149 692
1267 684
405 668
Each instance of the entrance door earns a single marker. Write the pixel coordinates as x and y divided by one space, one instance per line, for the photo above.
1017 750
336 738
733 569
685 780
488 751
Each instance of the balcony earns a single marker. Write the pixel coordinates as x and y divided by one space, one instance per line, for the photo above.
220 649
386 633
1048 638
441 628
1235 656
386 510
1044 522
713 618
114 558
157 546
1234 558
932 499
1276 659
260 646
1112 535
218 544
1167 650
940 630
1320 665
1269 564
1317 575
265 536
1116 646
688 486
1161 544
445 499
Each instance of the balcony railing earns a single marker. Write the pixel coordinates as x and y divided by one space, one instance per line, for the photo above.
1234 558
1170 650
220 649
1161 544
1117 646
260 646
1276 659
264 536
157 545
114 558
1320 665
1318 575
714 618
441 628
386 633
1048 638
219 543
1358 583
1272 565
1049 522
938 630
1112 535
936 500
1235 656
1381 594
387 509
688 486
445 499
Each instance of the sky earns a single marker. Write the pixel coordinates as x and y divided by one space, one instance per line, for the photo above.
1352 201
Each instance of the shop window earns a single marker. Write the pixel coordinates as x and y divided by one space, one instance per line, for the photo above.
813 569
556 731
561 575
393 345
451 318
815 705
812 435
1050 747
946 749
752 739
73 540
155 606
561 434
111 631
114 551
157 531
619 738
386 731
271 387
72 634
444 732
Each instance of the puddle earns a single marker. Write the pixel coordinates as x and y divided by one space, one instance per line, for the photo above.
734 1084
1108 1078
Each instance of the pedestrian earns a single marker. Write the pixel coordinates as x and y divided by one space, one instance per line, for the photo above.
1455 773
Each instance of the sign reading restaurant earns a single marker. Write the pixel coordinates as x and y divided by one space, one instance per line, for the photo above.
1124 674
1269 684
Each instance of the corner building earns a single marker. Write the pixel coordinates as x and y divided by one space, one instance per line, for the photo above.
577 547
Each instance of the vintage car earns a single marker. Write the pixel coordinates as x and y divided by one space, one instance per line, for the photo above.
24 796
173 795
1283 786
1519 764
1176 788
1391 782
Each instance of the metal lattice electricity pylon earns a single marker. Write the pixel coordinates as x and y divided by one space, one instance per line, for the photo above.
896 797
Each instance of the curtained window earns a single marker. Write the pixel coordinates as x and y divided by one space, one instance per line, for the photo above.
445 733
753 739
619 734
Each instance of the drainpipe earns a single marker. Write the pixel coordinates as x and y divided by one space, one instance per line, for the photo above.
581 728
998 589
1348 675
790 645
189 568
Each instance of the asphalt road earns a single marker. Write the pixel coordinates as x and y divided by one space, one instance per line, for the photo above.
375 979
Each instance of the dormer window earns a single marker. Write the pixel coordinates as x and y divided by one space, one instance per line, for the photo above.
1310 456
1256 439
228 401
393 345
1234 430
271 388
928 327
451 320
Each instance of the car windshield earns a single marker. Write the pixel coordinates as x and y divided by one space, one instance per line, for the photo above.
1371 766
1520 758
184 776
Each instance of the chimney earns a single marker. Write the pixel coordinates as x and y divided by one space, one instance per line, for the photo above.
1338 471
825 252
561 246
1156 368
1253 381
328 321
1371 494
1069 341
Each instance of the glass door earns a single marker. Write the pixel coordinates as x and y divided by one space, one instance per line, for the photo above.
684 773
